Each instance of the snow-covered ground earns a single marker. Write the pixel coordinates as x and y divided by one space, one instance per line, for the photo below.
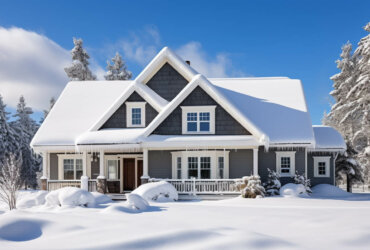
329 219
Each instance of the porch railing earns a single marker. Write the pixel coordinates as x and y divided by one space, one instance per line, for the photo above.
203 186
57 184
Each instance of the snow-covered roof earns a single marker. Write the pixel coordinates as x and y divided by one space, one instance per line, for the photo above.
273 109
328 138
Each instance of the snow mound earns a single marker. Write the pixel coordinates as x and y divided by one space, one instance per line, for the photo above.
101 198
137 202
326 190
161 191
134 204
293 190
21 229
70 196
32 199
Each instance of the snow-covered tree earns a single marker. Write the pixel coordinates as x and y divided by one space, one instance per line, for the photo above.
301 179
10 180
350 114
273 185
8 140
46 111
25 128
79 70
117 70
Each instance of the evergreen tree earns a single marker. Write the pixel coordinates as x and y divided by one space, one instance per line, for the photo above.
79 70
273 185
301 179
25 128
46 111
117 70
9 144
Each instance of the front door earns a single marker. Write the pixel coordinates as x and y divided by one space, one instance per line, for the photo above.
139 171
128 174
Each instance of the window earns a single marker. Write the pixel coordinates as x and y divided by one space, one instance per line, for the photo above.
220 167
198 119
285 163
135 114
200 164
321 166
112 169
178 165
70 167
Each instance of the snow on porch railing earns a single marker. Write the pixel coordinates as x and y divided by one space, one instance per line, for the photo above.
57 184
203 186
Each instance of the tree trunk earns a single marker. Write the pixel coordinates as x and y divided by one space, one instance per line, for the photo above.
349 185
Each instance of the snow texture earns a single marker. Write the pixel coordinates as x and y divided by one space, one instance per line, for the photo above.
328 138
293 190
85 183
161 191
137 202
36 198
329 191
70 196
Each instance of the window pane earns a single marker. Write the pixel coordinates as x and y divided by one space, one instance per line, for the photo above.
192 126
136 116
322 168
204 116
221 167
178 167
285 165
205 167
192 116
204 126
113 169
68 169
193 167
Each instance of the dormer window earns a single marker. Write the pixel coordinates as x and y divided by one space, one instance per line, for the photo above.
135 114
198 119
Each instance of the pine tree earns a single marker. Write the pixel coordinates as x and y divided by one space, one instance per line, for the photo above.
301 179
9 144
25 128
79 70
273 185
117 71
46 111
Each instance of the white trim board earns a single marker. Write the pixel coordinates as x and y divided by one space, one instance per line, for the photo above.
326 160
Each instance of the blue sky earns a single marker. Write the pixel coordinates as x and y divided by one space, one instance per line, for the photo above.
298 39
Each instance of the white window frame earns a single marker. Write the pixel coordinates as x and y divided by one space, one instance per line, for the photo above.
129 107
291 155
214 162
198 109
112 158
316 160
61 158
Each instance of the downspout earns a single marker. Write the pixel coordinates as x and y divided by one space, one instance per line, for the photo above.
334 160
305 163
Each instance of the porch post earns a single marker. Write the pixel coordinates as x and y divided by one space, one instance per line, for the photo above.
84 163
101 182
145 177
101 163
255 161
45 170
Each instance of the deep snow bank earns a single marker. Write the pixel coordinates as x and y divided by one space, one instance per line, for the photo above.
293 190
326 190
70 196
134 204
161 191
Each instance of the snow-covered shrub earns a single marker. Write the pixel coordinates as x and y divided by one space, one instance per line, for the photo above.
101 198
293 190
273 185
70 196
161 191
137 202
29 199
253 187
301 179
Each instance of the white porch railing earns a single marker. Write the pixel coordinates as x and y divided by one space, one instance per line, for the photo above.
203 186
57 184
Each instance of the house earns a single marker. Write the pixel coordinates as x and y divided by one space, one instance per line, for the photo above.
173 123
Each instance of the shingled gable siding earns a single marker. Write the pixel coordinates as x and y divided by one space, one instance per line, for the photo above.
167 82
225 123
118 119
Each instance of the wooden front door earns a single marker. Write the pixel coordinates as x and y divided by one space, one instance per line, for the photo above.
128 174
139 171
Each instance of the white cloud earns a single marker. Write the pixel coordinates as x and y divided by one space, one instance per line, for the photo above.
31 65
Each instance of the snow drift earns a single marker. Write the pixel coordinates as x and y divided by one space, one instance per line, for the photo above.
326 190
161 191
70 196
293 190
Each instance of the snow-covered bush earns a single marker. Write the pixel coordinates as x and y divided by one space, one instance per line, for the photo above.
301 179
161 191
273 185
137 202
251 187
293 190
70 196
29 199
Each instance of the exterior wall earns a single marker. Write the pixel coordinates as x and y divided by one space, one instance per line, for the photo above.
240 163
225 124
118 119
53 166
159 164
310 170
167 82
268 160
95 169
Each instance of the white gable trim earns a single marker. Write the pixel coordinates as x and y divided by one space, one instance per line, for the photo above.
201 81
166 55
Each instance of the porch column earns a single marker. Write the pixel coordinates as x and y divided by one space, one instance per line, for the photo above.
101 163
45 170
145 177
255 161
101 182
84 163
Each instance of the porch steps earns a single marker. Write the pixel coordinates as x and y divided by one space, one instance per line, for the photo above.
117 197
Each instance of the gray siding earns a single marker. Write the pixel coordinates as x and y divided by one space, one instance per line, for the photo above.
310 170
240 163
95 169
160 164
118 119
53 166
167 82
225 123
268 160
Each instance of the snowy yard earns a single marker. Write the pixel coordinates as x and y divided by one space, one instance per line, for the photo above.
319 222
